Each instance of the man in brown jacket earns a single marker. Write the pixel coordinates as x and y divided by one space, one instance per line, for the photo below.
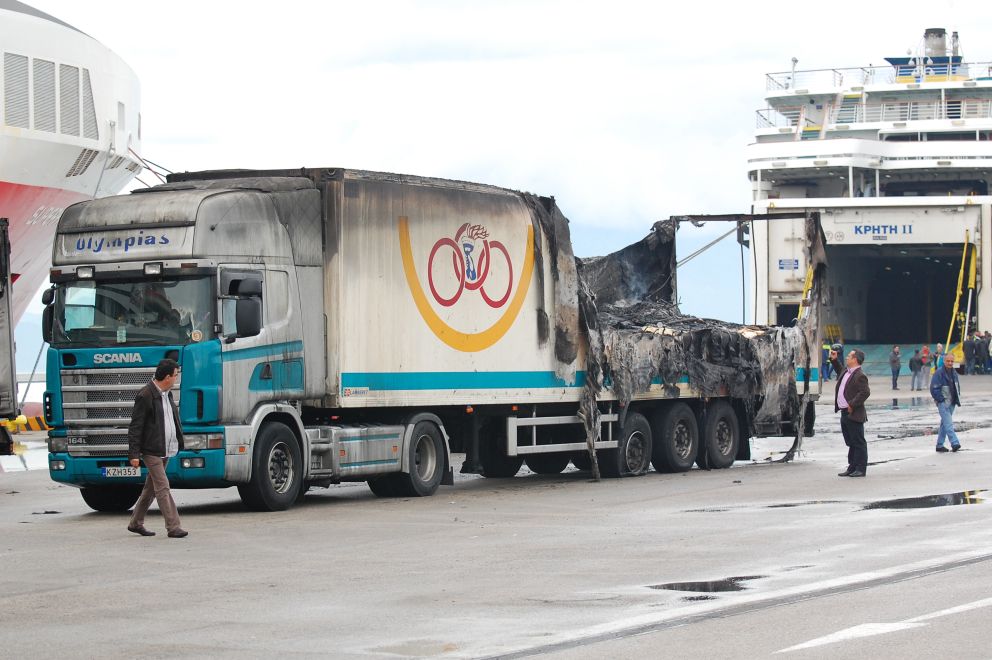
849 398
154 436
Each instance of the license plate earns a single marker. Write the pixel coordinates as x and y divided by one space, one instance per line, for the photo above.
121 472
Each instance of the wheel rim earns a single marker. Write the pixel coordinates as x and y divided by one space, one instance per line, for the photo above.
425 458
724 437
636 453
281 468
682 440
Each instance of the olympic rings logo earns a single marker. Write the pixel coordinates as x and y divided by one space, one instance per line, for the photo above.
470 274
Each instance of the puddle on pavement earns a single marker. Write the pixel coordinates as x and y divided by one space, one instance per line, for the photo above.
789 505
930 501
726 584
30 455
913 403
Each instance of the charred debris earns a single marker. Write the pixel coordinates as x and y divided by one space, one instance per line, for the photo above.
625 305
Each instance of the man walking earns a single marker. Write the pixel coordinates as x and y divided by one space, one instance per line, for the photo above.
895 363
945 388
849 398
155 436
916 369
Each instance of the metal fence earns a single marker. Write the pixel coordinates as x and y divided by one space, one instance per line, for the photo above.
875 75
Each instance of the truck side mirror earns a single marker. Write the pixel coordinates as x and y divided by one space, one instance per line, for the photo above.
47 318
248 315
47 296
249 286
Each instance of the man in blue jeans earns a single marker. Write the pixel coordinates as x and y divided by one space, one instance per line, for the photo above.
945 388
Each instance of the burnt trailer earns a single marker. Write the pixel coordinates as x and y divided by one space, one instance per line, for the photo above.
342 325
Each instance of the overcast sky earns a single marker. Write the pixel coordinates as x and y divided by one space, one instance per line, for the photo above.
625 112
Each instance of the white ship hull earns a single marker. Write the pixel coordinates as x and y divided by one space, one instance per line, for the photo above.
69 131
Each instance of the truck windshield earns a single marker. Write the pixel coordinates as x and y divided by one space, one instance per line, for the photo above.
160 312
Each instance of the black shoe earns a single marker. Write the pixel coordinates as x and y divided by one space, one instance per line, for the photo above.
140 529
941 449
955 447
846 473
857 473
178 533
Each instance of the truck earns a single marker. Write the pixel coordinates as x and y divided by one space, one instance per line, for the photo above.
8 368
336 325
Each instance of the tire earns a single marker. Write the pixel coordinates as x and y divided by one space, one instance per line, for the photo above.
276 470
676 438
721 435
385 486
427 462
632 456
547 463
581 460
492 454
110 498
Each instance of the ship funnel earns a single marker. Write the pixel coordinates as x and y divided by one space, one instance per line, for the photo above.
935 40
955 44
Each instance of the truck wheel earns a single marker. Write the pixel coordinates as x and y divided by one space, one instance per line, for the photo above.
427 462
632 456
676 438
384 486
581 460
547 463
276 470
721 435
110 498
495 463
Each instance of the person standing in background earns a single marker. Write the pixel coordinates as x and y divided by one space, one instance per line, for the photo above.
895 363
916 369
968 347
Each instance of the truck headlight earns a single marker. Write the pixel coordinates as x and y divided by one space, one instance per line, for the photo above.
195 462
56 465
58 445
198 441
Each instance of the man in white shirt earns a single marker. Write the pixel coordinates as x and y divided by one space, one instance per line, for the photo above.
154 436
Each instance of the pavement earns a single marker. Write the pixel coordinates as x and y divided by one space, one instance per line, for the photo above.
896 565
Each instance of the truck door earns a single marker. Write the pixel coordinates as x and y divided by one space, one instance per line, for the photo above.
261 367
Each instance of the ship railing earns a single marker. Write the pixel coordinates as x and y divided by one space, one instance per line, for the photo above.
892 111
780 118
876 75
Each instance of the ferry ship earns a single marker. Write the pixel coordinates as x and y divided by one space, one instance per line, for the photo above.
70 129
897 159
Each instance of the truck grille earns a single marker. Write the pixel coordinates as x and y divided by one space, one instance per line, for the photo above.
97 405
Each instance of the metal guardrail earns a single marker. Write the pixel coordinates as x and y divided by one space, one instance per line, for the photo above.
881 112
875 75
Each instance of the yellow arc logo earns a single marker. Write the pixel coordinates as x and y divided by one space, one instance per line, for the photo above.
469 342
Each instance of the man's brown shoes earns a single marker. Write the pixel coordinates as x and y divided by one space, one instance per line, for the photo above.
178 533
140 529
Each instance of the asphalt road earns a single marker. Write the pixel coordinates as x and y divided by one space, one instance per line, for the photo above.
536 566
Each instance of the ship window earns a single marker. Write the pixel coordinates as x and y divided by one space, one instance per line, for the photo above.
90 129
69 99
958 135
15 83
44 95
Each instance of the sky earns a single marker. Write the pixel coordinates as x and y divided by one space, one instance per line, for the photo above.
626 112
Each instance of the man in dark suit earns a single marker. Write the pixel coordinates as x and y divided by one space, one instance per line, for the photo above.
849 399
154 436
